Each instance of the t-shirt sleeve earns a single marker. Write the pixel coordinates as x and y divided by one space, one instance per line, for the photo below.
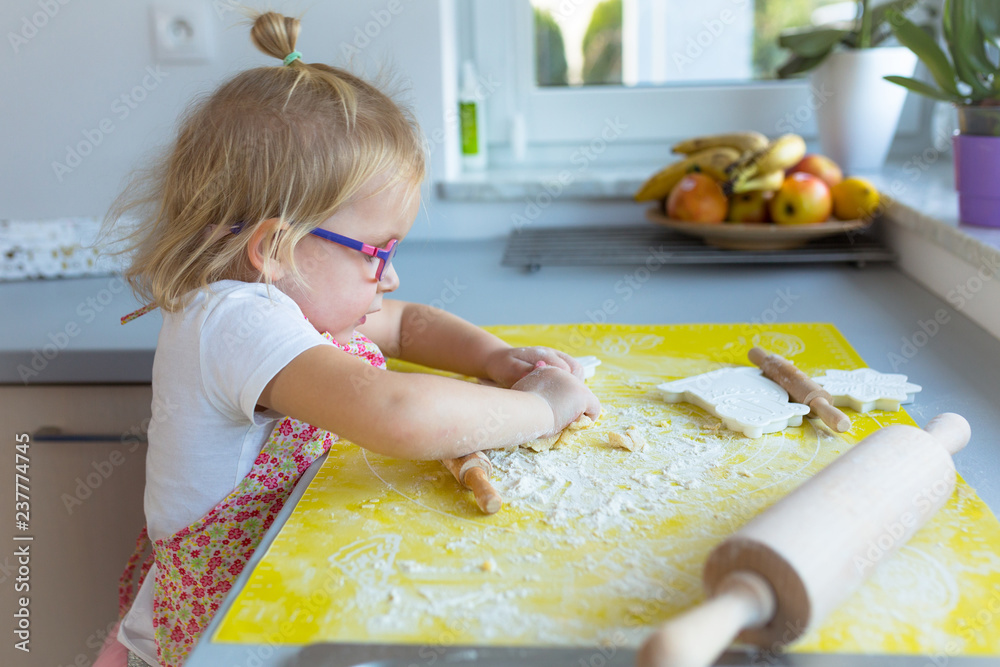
246 338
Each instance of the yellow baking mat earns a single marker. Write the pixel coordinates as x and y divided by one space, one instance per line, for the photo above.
595 545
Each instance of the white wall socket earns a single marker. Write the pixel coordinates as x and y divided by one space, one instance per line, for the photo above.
182 32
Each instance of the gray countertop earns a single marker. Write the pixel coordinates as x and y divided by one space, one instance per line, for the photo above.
879 310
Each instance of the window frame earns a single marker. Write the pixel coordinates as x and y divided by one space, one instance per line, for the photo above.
562 115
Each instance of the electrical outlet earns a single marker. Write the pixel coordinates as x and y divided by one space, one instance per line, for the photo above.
182 33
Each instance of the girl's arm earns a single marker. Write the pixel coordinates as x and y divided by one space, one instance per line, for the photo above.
435 338
418 416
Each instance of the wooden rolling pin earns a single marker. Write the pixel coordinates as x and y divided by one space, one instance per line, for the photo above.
473 472
801 388
784 571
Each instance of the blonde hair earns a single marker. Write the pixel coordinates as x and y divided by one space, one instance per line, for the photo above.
292 142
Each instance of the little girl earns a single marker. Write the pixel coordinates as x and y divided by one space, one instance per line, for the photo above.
269 232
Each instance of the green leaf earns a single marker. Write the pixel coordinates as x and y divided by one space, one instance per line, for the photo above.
922 88
988 16
799 64
961 32
924 46
978 57
811 42
888 11
865 39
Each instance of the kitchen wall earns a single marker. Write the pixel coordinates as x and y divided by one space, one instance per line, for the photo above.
83 100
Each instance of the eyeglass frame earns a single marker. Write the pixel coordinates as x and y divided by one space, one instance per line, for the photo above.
384 255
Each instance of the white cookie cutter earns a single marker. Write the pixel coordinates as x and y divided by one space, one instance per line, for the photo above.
865 389
741 397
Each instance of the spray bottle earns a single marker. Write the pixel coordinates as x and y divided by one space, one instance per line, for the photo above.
472 119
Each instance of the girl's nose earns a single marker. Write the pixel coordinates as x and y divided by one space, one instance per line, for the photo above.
390 279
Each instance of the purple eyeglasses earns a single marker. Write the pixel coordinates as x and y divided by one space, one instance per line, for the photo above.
384 255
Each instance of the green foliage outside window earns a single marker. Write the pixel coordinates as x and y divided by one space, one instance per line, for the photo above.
602 45
550 51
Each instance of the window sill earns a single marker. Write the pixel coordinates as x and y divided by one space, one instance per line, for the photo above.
520 183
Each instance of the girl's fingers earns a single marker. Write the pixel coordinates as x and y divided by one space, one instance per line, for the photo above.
573 366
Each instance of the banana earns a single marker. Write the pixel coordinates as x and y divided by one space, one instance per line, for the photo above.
662 182
780 154
741 141
769 181
711 161
714 161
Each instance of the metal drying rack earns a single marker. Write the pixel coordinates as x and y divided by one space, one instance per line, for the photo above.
531 249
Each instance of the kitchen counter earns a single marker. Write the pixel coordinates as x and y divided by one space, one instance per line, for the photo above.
893 322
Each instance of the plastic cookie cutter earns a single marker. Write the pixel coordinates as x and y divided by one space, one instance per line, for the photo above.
741 397
865 389
590 365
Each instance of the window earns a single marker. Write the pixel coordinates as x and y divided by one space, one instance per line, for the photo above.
652 42
663 69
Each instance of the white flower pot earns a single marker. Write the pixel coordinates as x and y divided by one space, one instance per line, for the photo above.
859 111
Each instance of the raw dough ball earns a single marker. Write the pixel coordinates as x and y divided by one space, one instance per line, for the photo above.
553 441
631 439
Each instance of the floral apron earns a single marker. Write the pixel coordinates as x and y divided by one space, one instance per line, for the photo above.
197 566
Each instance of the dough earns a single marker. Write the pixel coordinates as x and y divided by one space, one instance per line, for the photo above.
553 441
631 439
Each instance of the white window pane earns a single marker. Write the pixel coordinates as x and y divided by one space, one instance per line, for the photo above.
663 42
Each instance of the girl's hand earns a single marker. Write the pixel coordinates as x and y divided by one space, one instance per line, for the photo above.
567 396
507 366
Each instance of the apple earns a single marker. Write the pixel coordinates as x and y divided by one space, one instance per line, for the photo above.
819 165
697 198
802 199
750 206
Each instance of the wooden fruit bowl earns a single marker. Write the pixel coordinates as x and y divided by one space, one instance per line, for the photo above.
755 235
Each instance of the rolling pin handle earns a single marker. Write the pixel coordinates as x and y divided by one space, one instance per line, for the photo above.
486 496
951 430
696 638
830 415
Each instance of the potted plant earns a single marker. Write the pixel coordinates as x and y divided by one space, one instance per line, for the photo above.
968 76
856 110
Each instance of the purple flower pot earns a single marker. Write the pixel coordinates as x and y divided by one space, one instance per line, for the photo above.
977 179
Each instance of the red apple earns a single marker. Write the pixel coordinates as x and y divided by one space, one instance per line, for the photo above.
750 206
819 165
802 199
697 198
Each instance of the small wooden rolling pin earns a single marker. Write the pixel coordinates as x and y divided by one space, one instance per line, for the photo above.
473 472
785 570
801 388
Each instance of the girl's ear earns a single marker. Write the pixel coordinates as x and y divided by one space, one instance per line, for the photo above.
266 230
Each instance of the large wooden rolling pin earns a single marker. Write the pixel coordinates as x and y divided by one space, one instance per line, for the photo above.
800 387
786 569
473 472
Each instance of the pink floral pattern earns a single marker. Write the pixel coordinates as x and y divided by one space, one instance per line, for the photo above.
197 566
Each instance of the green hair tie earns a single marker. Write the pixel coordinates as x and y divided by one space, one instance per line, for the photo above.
291 57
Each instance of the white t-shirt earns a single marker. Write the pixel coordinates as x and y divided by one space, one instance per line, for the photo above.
212 361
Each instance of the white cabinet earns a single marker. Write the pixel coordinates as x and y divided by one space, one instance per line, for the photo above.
85 514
